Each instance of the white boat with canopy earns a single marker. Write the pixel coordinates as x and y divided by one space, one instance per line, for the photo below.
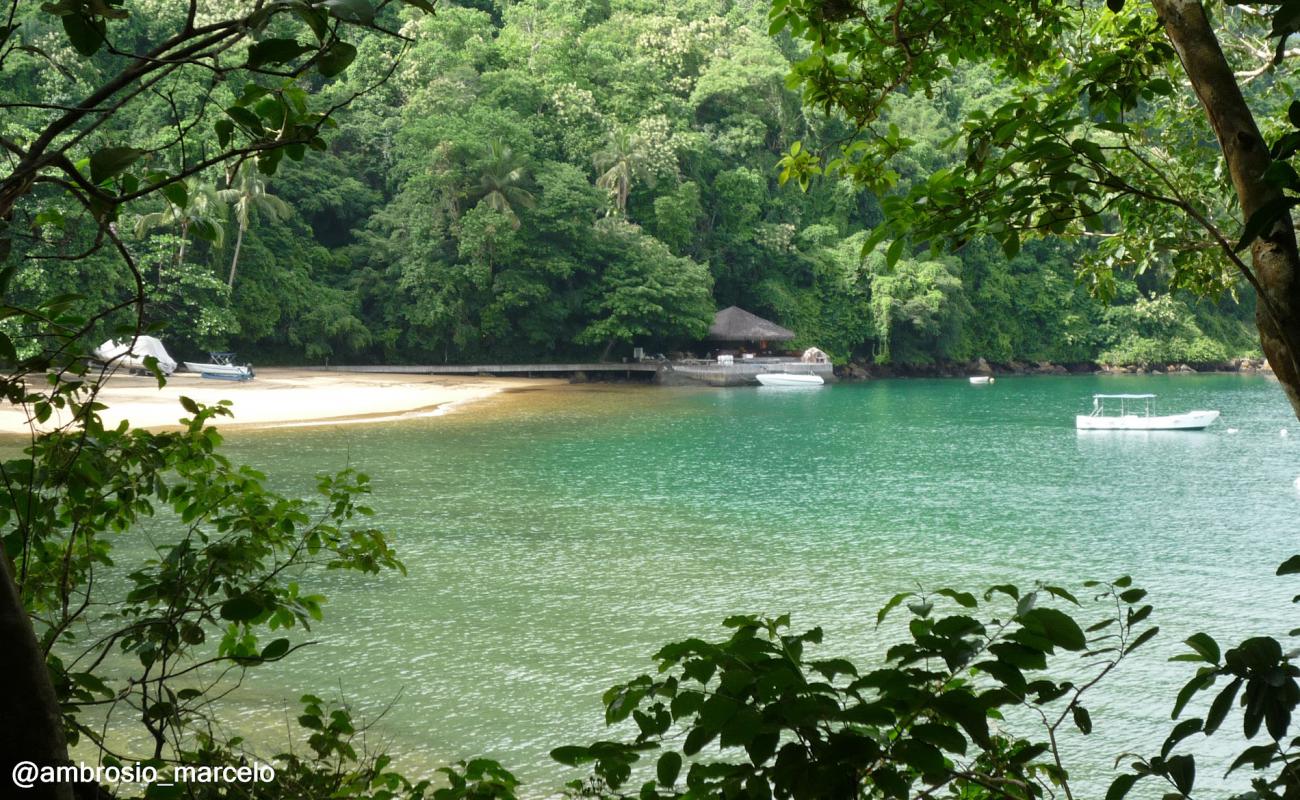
1129 419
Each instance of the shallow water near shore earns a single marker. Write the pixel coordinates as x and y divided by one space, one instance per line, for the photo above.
555 539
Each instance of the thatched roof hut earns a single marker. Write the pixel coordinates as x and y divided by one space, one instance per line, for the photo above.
735 324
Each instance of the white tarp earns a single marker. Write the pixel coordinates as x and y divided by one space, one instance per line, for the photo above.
814 355
132 356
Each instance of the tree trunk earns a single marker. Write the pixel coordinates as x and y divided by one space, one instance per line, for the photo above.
1274 258
32 728
234 262
185 238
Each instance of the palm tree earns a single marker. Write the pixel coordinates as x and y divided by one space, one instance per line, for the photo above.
622 162
502 184
247 192
202 212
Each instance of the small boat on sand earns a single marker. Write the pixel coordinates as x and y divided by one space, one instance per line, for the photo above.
980 380
222 367
788 379
1129 420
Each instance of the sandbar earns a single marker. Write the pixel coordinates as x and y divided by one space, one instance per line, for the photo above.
285 396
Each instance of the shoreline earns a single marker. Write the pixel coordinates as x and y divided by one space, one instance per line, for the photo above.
288 397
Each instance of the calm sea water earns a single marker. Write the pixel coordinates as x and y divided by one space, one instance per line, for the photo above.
555 541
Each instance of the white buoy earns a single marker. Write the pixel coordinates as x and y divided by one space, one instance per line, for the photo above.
1283 432
1234 430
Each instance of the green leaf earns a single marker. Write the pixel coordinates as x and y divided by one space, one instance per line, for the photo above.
894 253
350 10
224 129
86 33
668 768
246 119
1142 639
177 194
1058 626
943 736
1259 756
964 599
1219 708
1180 732
1264 218
891 605
1289 567
571 755
241 609
275 649
275 51
923 757
1205 646
111 161
335 59
1120 787
1202 680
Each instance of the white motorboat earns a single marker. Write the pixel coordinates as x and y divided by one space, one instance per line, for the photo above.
222 367
789 379
1129 419
980 380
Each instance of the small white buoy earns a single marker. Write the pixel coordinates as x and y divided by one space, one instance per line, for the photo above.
1283 432
1234 430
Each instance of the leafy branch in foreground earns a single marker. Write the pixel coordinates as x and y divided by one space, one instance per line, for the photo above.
1261 681
242 76
231 564
965 707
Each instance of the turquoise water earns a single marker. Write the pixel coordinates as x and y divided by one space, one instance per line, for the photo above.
555 540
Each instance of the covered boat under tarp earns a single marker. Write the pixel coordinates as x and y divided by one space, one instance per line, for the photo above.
132 353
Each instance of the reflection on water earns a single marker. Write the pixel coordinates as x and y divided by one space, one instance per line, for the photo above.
554 540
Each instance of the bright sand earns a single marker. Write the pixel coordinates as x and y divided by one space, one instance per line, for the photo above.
279 397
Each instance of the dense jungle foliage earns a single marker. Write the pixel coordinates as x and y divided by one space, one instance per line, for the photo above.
559 178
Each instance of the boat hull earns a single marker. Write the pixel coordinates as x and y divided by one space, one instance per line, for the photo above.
788 379
1189 421
228 372
980 380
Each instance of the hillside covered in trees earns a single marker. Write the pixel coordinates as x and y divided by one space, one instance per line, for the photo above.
559 178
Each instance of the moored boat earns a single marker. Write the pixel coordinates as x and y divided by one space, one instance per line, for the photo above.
980 380
1130 420
788 379
222 367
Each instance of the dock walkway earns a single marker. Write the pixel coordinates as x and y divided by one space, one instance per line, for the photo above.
694 371
494 369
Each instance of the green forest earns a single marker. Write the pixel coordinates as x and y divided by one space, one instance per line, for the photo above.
554 179
912 184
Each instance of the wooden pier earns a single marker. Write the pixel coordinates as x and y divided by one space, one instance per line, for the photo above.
498 369
694 371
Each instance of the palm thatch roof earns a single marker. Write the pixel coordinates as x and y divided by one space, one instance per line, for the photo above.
735 324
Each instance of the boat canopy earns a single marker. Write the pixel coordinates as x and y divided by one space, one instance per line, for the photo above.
1123 397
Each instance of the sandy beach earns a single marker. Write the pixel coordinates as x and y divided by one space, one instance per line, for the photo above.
282 397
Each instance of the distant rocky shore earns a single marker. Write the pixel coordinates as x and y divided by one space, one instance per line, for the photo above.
857 370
